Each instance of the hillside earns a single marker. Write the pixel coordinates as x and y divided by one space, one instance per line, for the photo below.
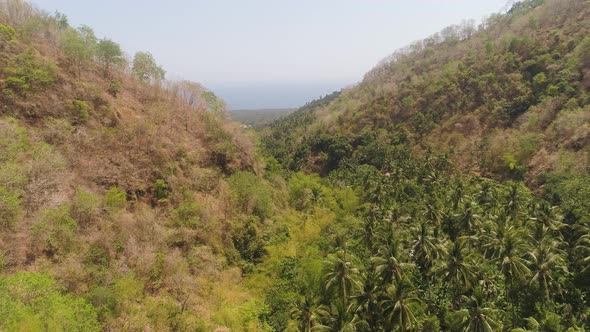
447 190
505 99
116 206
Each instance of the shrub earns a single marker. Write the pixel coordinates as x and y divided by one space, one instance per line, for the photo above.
33 302
103 299
7 34
97 256
251 194
115 199
44 167
27 72
128 289
57 131
188 214
114 88
13 139
85 207
80 111
10 207
248 243
161 190
55 231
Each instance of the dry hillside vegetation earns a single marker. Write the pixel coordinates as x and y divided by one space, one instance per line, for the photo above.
113 187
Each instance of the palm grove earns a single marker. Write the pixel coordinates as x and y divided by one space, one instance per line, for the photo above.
450 240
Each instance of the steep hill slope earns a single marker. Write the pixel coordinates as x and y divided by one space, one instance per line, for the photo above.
445 192
506 99
115 206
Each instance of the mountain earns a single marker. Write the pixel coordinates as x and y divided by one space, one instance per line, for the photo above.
506 99
115 203
447 190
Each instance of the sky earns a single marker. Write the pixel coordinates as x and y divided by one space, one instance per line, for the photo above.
268 53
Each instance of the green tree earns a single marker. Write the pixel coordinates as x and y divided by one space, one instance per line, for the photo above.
389 262
309 316
34 302
342 276
583 52
458 270
479 317
399 305
79 46
61 20
7 34
145 67
547 263
109 54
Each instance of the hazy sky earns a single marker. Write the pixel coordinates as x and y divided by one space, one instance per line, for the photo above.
268 53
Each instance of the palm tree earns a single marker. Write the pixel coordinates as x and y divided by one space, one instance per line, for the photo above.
514 200
367 302
457 195
486 195
457 270
478 317
506 244
433 214
341 318
468 217
389 260
582 246
426 248
398 305
547 262
308 316
547 215
342 275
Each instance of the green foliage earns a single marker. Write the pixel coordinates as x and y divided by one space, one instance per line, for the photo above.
10 207
307 192
570 192
27 72
583 52
13 178
115 199
103 299
55 231
188 214
336 147
252 195
13 139
33 302
161 190
128 289
145 67
79 46
539 83
61 20
7 36
114 88
80 111
248 242
109 54
85 207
